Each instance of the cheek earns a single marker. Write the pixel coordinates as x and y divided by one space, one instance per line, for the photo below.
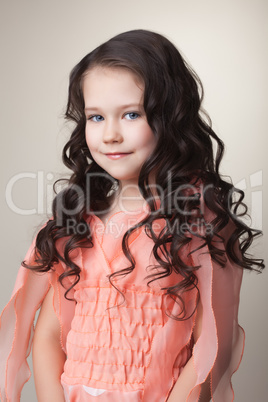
148 139
141 135
91 141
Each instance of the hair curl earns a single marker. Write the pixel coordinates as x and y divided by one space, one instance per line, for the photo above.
173 96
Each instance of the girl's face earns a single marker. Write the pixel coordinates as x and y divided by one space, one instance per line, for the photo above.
117 132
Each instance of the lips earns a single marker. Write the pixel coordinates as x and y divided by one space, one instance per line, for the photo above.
117 155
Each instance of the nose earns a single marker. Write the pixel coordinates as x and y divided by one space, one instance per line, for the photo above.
112 132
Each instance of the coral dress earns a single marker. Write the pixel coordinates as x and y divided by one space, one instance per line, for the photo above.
126 349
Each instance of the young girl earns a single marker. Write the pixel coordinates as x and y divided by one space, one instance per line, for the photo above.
138 271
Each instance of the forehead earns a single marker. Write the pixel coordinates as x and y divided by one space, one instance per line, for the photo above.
111 78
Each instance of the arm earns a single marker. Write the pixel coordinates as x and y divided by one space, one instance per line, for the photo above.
187 378
48 356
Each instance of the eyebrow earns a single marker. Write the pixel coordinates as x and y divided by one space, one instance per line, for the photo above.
130 105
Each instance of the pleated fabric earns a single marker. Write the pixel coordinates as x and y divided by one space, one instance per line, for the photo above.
125 346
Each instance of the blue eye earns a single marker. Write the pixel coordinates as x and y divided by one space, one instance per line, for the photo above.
132 116
96 118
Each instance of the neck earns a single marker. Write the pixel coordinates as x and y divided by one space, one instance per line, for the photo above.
128 197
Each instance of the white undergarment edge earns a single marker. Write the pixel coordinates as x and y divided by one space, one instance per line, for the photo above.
94 391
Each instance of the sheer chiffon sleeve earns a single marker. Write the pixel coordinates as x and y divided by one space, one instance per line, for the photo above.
219 349
17 324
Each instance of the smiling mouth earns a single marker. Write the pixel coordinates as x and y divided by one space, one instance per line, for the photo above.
117 155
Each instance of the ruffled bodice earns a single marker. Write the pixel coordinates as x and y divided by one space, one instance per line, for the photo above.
124 346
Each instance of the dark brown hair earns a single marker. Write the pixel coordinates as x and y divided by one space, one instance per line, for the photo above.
183 158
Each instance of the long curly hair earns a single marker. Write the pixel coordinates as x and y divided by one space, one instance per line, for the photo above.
182 159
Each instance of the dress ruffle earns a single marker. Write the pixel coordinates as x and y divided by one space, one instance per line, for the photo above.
219 349
157 347
17 324
16 330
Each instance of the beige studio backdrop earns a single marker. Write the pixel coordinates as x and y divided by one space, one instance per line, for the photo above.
225 42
